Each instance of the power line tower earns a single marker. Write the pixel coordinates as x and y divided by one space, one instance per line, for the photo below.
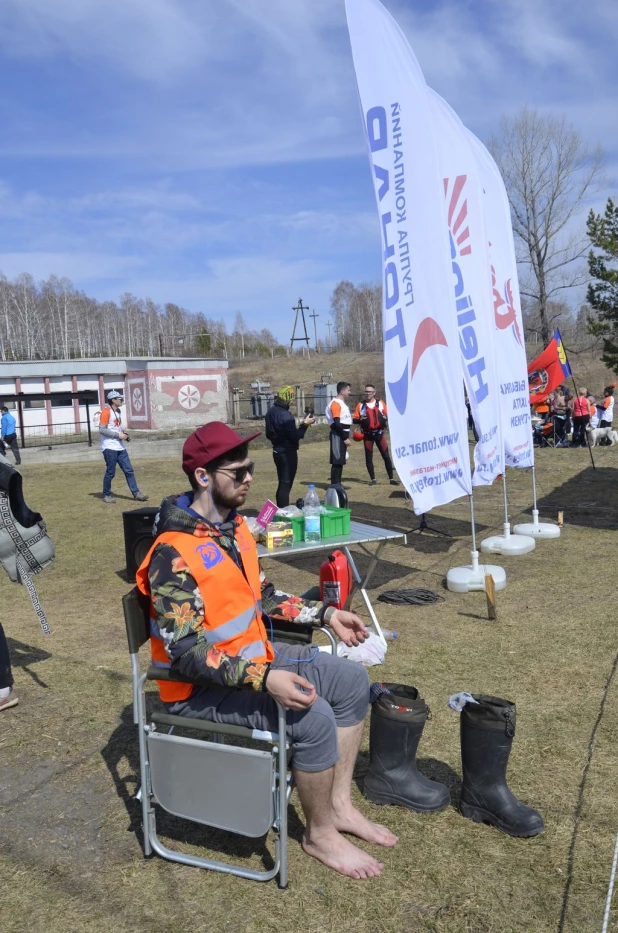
315 329
300 309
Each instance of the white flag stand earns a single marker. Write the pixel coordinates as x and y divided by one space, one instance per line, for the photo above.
536 528
508 544
472 577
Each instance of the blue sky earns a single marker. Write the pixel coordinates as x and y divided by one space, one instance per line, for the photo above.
211 153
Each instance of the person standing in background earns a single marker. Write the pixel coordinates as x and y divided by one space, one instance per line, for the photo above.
372 417
559 412
339 417
114 448
580 406
285 437
9 435
594 412
606 407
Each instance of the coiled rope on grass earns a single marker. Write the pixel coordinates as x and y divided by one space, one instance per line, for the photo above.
416 596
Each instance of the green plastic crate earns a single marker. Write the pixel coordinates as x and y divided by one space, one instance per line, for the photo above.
336 523
298 525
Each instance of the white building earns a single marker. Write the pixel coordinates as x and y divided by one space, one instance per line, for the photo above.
160 393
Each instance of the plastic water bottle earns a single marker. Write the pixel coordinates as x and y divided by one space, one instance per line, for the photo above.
311 511
388 635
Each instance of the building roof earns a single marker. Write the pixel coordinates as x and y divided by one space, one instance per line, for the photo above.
103 366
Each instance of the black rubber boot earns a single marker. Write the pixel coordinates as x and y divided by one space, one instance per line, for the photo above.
487 731
397 722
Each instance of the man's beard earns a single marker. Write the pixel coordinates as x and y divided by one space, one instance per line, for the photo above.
232 501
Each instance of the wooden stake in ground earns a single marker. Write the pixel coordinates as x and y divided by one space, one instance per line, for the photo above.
490 592
561 518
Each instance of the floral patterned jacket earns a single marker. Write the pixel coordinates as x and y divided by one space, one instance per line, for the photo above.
180 608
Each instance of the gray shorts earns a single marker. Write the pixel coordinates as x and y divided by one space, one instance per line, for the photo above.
343 699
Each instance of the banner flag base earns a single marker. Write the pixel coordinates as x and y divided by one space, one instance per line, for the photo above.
467 579
537 529
508 544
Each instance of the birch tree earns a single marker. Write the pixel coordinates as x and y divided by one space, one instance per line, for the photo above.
549 174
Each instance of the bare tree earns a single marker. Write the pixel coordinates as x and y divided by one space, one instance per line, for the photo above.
357 313
53 319
548 174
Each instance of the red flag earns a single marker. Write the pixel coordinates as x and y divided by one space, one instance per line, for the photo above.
545 373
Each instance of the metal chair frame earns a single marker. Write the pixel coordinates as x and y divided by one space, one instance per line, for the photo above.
159 728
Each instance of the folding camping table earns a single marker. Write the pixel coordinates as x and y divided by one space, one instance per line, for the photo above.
361 536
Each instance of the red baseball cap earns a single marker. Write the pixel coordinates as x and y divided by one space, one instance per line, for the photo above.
209 442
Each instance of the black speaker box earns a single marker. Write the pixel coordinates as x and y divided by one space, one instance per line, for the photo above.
138 524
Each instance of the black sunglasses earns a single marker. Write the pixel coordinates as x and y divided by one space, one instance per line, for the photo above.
238 473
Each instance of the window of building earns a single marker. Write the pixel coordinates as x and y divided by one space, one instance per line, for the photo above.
61 400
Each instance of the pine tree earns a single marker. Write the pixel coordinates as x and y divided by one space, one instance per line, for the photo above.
603 291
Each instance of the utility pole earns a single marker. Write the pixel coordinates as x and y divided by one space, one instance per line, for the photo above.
300 309
315 329
329 325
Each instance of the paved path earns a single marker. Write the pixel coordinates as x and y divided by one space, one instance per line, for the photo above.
139 449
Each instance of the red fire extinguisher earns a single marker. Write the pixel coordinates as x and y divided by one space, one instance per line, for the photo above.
335 580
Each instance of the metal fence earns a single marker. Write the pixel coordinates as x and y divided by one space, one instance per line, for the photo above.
37 435
254 408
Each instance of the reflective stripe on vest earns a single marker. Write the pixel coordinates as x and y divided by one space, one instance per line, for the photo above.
232 608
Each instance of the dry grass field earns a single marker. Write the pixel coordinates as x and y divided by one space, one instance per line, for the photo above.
70 850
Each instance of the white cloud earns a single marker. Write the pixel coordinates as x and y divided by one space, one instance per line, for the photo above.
79 267
153 40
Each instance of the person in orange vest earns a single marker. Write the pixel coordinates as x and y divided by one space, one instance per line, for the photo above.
372 416
211 611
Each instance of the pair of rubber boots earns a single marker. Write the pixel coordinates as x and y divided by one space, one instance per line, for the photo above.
487 730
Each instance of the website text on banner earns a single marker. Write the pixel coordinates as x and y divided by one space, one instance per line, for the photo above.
509 345
548 370
472 283
421 342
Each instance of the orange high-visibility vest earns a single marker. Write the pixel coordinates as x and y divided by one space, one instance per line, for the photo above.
232 606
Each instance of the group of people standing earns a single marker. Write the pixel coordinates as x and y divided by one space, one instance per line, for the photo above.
575 413
370 415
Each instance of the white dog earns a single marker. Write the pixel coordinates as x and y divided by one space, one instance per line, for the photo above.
597 433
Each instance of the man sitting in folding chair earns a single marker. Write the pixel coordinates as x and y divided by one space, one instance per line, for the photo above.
210 604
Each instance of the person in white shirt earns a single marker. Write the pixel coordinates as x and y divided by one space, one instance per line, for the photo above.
114 449
606 408
339 417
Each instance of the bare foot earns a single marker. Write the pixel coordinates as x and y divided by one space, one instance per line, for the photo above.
336 852
348 819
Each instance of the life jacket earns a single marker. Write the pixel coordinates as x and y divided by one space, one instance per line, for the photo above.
372 418
232 607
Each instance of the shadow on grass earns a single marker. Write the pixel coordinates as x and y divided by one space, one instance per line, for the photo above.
589 499
385 571
115 495
24 655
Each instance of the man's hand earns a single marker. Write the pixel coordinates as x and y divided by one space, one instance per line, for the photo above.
309 419
347 442
284 686
123 436
348 628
